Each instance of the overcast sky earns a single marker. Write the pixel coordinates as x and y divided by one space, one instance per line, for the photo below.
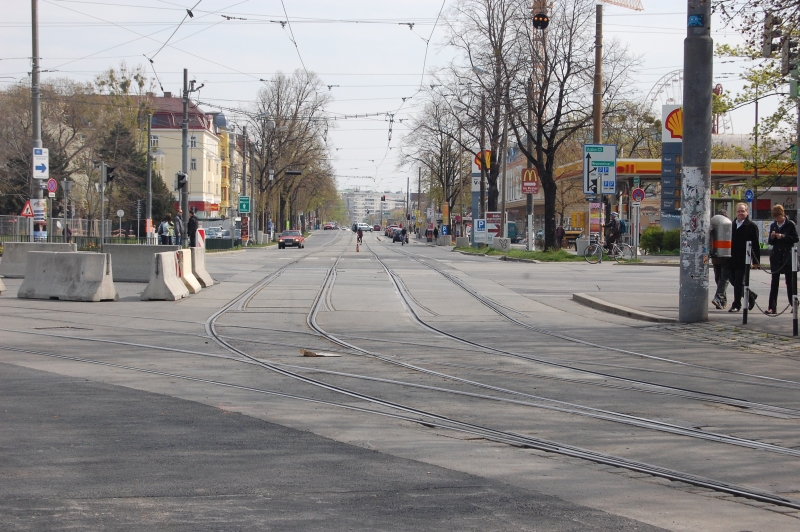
367 50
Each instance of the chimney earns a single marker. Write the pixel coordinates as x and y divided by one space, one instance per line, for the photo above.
167 95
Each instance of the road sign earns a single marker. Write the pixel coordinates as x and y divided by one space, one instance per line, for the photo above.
600 165
27 210
748 195
52 185
120 213
39 209
530 181
480 231
636 181
637 194
493 225
244 204
41 163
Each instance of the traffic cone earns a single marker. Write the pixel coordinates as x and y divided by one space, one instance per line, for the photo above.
357 247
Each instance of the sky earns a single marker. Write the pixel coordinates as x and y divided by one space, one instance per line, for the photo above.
373 54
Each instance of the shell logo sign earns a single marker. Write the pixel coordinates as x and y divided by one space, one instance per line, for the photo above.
672 123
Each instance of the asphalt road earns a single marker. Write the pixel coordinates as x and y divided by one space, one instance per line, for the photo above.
176 416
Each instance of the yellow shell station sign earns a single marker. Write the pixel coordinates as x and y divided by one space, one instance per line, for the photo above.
671 123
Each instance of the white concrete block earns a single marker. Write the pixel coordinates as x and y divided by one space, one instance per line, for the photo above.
199 267
68 276
132 262
503 244
184 257
2 287
15 255
165 279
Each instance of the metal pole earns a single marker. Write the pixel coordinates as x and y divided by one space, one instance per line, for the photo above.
103 174
484 162
746 296
149 207
36 104
797 164
794 290
755 166
253 203
244 161
529 197
698 56
65 186
597 114
503 195
184 194
419 194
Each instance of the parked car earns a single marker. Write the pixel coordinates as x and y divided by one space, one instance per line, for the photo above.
291 238
364 227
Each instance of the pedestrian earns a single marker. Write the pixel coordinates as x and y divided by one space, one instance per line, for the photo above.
66 234
613 230
360 236
782 237
179 229
403 236
436 233
560 235
191 228
722 275
744 231
164 229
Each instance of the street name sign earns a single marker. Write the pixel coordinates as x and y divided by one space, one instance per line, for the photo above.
41 163
600 165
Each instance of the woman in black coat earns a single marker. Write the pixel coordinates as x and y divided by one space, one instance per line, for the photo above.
744 231
782 237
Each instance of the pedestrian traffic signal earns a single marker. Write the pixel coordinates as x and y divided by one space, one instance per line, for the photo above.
110 173
408 216
541 21
182 179
789 55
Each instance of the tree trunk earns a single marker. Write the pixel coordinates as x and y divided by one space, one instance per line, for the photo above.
550 189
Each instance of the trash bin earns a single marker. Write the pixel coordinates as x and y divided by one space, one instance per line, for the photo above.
429 236
581 244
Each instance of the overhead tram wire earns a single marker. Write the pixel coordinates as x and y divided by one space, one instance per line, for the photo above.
292 38
188 14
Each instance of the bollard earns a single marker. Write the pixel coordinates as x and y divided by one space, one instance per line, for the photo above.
746 296
794 290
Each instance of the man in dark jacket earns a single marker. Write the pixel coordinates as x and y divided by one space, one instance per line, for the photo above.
782 238
744 231
179 229
191 229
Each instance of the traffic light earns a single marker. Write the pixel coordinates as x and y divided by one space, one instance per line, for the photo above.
383 198
182 179
408 216
110 173
771 32
789 55
541 21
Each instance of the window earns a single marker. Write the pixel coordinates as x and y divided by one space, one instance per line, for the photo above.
153 141
192 141
193 164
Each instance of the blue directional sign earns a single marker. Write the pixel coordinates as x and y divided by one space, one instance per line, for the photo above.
748 195
41 163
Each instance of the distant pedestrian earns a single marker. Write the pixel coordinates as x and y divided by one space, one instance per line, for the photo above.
404 236
179 229
722 275
191 228
436 233
66 234
560 236
164 229
744 231
782 237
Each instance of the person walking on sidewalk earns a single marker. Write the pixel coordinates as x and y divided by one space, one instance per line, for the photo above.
782 237
722 275
191 228
744 231
180 232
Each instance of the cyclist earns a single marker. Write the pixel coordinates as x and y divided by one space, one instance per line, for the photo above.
613 231
360 236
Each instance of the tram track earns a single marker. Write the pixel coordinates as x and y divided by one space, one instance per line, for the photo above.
431 419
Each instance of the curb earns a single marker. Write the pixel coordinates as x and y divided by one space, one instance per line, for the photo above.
599 304
514 259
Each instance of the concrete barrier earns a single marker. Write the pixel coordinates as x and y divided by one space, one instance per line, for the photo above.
503 244
184 257
15 255
2 287
165 279
132 263
69 277
462 242
199 267
444 240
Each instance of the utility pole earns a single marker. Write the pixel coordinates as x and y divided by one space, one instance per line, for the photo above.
483 160
419 195
103 178
696 173
503 221
184 191
597 109
529 198
149 206
36 106
244 161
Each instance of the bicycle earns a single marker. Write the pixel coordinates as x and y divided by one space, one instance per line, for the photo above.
621 253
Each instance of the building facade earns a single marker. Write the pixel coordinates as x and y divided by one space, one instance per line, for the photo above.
205 170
